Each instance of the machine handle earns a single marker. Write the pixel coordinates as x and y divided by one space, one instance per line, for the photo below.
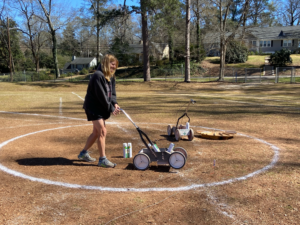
129 117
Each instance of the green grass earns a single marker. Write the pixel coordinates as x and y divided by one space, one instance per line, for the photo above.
296 60
254 61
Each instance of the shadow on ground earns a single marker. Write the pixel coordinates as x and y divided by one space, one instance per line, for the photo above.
165 169
51 162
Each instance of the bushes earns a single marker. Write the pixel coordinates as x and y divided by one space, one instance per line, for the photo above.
236 52
281 57
84 71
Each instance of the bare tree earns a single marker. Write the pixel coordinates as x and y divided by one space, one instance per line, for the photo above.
145 35
227 33
97 5
54 22
200 10
291 12
34 28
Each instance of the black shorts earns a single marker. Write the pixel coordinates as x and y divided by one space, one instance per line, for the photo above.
93 116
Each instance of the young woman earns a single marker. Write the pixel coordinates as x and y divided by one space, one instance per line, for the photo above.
100 102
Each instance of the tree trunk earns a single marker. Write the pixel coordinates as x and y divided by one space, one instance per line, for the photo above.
198 41
222 59
37 64
187 37
146 62
171 48
52 32
198 44
98 33
9 52
54 51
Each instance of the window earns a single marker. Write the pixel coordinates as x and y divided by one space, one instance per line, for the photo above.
253 43
287 43
265 44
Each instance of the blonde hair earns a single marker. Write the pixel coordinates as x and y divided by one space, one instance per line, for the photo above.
106 66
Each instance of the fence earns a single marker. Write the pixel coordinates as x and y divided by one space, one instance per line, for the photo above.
176 73
285 75
25 76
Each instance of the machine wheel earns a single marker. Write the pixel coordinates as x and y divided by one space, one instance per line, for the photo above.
141 161
169 130
177 135
173 130
191 135
177 160
182 150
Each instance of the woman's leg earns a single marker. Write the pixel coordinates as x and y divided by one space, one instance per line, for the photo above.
91 139
99 126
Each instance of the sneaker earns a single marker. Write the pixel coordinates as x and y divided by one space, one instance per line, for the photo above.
85 156
106 163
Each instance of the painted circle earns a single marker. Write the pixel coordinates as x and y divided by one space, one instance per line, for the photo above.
100 188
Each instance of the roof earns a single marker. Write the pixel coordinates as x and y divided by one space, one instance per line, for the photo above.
66 65
82 60
273 33
269 33
138 48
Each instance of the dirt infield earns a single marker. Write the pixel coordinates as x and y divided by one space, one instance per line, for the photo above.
254 180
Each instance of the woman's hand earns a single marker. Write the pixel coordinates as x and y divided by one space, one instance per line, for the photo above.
117 110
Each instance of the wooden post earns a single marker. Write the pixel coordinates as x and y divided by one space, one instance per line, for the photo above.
9 51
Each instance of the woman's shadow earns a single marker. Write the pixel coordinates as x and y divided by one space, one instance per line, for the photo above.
56 161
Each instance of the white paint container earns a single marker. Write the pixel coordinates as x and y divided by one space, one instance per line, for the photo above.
129 150
171 146
125 148
187 125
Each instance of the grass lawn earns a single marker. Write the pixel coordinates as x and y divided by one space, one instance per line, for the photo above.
254 61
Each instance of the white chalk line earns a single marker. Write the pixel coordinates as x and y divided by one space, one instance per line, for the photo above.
182 188
78 96
30 125
60 107
35 114
219 206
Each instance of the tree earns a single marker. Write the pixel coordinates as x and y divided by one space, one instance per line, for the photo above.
198 8
227 33
187 77
33 28
291 12
54 22
10 52
164 24
97 5
236 52
70 45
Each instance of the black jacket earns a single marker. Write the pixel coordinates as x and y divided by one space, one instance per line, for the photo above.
96 99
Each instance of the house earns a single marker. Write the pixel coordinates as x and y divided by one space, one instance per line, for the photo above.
271 39
157 50
78 64
260 39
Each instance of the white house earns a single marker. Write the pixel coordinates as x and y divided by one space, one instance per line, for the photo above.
78 64
157 50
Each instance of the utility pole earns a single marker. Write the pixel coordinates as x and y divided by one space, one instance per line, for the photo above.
9 51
